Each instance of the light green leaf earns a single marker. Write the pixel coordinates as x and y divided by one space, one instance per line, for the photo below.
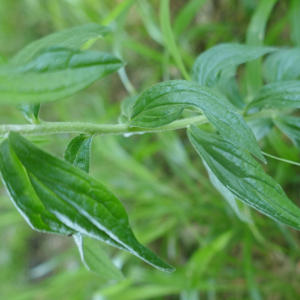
244 177
126 109
169 39
186 15
95 259
210 63
30 112
282 65
228 196
164 103
260 127
69 38
227 85
255 37
54 73
290 126
277 95
200 260
78 152
72 196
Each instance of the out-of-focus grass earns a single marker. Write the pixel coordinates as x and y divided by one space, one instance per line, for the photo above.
159 178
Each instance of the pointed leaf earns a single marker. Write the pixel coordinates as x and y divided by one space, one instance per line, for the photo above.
164 103
24 197
244 177
69 38
291 127
53 74
228 196
126 109
30 112
75 198
210 63
260 127
95 259
277 95
78 152
282 65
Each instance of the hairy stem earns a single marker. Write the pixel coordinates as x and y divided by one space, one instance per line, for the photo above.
109 129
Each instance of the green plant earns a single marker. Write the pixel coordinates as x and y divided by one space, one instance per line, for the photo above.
61 198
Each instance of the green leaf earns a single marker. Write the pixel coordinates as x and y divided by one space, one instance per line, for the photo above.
78 152
72 196
95 259
277 95
228 87
92 255
209 64
255 37
54 73
30 112
228 196
186 15
290 126
260 127
200 260
282 65
244 177
126 109
169 39
69 38
23 195
163 103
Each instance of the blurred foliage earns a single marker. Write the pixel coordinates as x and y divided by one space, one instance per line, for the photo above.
159 178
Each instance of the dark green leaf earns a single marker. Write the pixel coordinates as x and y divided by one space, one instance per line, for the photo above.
277 95
210 63
164 103
78 152
75 198
53 74
23 195
282 65
69 38
95 259
244 177
30 112
290 126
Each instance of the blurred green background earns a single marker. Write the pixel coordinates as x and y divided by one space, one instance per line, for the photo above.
172 206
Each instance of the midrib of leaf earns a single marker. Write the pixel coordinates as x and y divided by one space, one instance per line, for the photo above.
288 213
116 244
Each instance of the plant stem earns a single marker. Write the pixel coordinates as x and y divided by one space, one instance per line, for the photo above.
98 129
282 159
112 129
